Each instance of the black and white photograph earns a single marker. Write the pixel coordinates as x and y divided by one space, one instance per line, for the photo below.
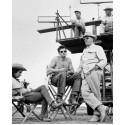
62 62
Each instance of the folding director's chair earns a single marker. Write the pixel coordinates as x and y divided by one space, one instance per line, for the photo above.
107 89
19 99
64 109
73 108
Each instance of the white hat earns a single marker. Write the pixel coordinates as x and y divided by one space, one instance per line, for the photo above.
90 34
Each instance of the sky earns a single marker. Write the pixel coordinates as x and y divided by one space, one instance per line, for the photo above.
35 50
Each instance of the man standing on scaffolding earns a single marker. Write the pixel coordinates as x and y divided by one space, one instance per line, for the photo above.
107 21
78 25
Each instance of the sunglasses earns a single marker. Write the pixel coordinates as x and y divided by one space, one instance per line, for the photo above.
63 51
20 71
86 38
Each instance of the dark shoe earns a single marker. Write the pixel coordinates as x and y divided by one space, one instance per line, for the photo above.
60 100
56 105
73 102
95 118
103 112
46 119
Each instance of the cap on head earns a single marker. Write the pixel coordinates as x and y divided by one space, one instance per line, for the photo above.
18 66
108 8
77 11
90 35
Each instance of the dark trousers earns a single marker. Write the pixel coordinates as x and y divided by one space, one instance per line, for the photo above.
39 94
61 80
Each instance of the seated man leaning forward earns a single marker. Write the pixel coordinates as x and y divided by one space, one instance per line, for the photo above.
39 94
107 21
63 75
92 62
78 25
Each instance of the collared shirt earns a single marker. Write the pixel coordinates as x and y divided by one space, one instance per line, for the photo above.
18 87
108 19
92 55
80 22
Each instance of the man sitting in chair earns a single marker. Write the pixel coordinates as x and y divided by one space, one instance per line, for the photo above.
78 25
39 94
63 75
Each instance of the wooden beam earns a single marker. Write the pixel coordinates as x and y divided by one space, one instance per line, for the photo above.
97 22
96 2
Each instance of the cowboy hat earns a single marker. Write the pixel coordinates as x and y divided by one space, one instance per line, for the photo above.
91 35
18 66
108 8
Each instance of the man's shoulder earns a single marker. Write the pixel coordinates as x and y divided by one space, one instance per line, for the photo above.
97 47
55 58
68 58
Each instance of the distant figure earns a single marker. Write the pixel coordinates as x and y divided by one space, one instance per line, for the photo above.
91 65
78 25
63 75
107 21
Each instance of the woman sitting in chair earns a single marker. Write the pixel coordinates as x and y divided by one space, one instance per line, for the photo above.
39 94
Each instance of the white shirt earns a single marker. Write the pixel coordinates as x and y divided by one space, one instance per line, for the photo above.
18 87
92 55
108 19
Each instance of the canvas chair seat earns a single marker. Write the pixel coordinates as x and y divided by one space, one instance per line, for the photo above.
64 109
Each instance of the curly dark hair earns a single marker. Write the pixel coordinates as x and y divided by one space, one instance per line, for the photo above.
61 47
14 70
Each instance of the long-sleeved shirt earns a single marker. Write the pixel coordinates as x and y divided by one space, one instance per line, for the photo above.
107 19
80 22
18 87
92 56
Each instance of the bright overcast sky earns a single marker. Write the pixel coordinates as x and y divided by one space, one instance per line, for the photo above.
35 50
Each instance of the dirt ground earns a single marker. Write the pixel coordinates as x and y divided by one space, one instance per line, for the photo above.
81 117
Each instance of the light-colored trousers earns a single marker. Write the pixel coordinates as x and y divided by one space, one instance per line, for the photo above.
103 28
91 89
78 32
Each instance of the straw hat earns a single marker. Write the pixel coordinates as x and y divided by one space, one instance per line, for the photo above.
108 8
18 66
90 34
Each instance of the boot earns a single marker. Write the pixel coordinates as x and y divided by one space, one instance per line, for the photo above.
45 118
72 100
55 105
60 100
103 112
95 118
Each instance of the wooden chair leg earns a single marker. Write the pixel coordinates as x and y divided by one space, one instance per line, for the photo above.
32 111
18 109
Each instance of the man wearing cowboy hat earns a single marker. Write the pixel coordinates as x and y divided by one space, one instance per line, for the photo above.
78 25
92 62
40 94
107 21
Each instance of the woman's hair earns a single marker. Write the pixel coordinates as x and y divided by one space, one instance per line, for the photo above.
14 70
